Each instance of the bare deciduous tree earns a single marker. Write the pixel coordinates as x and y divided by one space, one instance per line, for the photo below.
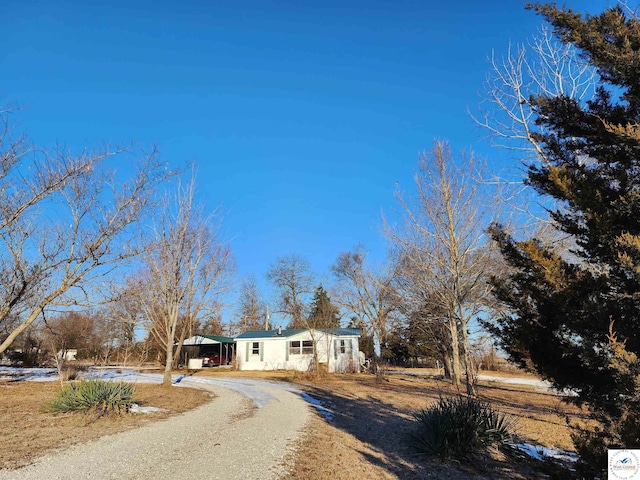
543 67
292 277
251 313
74 330
66 220
186 269
444 252
126 313
212 323
367 294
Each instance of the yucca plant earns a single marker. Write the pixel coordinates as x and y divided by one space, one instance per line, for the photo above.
94 395
458 427
497 428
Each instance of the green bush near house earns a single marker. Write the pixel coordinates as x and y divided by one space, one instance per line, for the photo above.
459 427
97 395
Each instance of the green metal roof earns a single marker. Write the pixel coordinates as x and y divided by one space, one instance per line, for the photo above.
217 338
295 331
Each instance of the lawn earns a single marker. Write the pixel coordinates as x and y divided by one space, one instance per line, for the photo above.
366 438
372 420
28 431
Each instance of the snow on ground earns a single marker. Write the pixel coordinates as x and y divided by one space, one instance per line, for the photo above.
135 408
245 386
534 382
325 412
29 374
249 388
540 453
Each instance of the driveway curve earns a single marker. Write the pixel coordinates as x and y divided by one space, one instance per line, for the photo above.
244 433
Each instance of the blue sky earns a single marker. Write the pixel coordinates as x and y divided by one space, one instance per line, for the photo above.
302 116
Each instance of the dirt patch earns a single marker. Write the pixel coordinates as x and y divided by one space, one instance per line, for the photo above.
28 431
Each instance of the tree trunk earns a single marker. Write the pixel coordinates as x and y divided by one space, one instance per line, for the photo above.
446 365
456 370
176 355
166 379
470 372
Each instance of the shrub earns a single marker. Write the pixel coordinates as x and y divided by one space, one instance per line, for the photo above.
97 395
71 371
458 427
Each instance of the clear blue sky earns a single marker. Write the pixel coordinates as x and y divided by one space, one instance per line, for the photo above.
302 116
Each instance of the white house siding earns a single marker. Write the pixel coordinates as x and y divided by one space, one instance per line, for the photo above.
347 361
273 353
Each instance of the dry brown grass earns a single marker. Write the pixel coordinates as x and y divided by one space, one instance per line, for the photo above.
28 431
367 438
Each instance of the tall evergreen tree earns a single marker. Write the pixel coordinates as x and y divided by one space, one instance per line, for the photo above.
366 343
324 314
575 318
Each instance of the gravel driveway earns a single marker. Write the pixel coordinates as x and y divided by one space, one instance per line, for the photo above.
244 433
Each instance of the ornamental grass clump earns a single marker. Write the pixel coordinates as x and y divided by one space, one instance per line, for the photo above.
101 396
459 427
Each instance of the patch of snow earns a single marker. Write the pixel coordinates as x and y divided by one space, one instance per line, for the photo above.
122 375
540 453
534 382
542 385
135 408
248 387
28 374
324 411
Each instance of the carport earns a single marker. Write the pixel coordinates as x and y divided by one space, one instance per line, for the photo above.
199 346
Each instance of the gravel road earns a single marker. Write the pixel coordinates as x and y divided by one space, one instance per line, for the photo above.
244 433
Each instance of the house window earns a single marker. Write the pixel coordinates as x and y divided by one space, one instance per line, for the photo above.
255 348
296 347
307 347
344 346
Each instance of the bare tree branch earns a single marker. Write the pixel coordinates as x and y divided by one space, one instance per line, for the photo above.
65 221
369 295
251 312
292 277
542 67
186 269
445 255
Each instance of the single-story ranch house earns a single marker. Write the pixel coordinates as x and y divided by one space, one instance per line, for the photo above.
279 349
